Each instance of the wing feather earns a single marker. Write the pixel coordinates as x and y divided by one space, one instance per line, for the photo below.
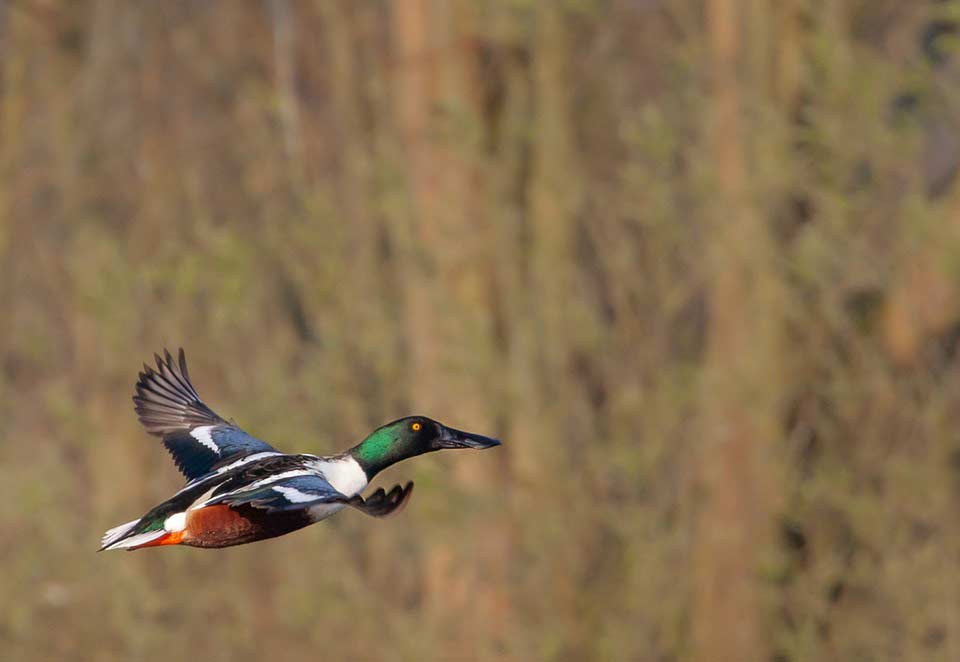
169 407
304 492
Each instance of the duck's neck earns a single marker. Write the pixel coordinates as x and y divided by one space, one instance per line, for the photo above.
378 451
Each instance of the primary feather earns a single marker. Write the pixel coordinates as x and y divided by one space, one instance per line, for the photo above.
169 407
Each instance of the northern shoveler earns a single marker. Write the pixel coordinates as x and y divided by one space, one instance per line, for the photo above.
240 489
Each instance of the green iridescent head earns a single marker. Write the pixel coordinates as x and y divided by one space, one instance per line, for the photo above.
409 437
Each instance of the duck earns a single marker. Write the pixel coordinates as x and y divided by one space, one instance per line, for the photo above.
241 489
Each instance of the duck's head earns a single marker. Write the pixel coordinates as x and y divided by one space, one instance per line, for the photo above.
411 436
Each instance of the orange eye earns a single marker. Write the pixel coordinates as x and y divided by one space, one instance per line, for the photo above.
416 427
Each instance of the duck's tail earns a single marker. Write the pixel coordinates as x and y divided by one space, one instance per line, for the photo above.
123 537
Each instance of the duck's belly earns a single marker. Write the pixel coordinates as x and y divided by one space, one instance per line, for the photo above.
224 526
324 510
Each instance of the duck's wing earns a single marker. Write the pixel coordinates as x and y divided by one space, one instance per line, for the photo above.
303 492
170 408
384 504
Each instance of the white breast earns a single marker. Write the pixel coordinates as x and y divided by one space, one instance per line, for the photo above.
345 474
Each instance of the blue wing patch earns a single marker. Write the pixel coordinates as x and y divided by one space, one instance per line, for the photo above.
203 449
232 441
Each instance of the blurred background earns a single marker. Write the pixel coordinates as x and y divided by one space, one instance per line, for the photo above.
697 262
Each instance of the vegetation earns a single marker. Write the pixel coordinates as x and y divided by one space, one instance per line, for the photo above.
696 262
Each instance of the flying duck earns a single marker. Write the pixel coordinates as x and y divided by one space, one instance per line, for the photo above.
241 489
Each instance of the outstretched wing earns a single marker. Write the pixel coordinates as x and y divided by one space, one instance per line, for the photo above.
170 408
303 492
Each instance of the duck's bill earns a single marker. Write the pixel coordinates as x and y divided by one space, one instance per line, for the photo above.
451 438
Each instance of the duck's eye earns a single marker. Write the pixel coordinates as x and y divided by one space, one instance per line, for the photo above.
416 427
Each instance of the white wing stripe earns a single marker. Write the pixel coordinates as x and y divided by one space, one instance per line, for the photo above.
233 465
263 481
202 434
293 495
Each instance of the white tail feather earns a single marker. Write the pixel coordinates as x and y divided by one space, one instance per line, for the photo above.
135 541
116 533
